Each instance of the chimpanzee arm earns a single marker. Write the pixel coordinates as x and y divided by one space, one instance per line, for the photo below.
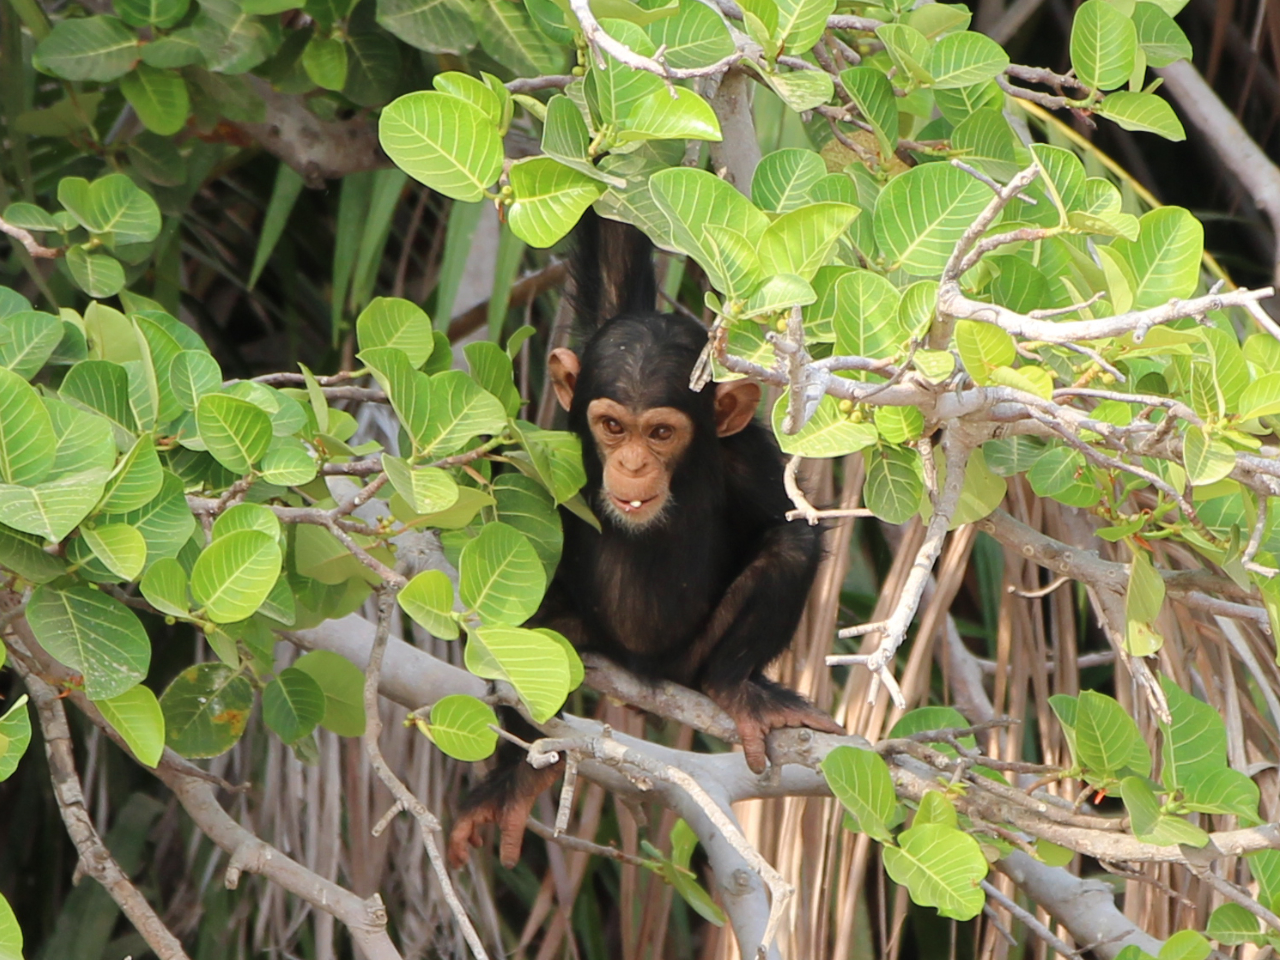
753 623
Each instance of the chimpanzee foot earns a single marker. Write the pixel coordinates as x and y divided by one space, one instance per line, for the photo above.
757 710
509 809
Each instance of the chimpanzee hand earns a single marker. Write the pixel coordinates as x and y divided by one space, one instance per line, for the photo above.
760 706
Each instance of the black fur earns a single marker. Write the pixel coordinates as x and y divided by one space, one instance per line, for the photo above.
711 593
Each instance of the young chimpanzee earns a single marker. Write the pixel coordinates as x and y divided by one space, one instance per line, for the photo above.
696 576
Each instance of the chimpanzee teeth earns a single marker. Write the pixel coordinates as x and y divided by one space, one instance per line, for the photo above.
636 504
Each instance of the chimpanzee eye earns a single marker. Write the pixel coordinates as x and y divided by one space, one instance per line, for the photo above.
611 426
662 432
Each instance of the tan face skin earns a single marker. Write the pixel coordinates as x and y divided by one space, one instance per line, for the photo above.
640 448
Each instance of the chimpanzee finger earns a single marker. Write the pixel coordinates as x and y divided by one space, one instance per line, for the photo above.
512 822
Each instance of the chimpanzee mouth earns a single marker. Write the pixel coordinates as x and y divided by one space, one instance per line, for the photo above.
633 515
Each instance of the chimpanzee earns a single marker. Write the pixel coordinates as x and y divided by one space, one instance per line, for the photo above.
695 576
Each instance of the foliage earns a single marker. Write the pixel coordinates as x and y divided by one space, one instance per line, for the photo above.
988 281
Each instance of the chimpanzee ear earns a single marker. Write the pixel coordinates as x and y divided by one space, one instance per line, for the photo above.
563 366
736 403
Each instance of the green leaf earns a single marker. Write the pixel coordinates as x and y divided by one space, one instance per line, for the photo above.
893 485
964 59
292 705
1165 259
52 509
525 504
10 933
165 522
137 717
443 142
866 317
662 116
236 432
1142 112
159 97
325 61
695 37
783 179
1104 45
1184 945
27 340
460 410
500 576
342 684
1063 474
1207 460
427 489
15 737
165 587
873 95
694 199
246 516
96 273
288 464
1161 39
205 710
549 199
428 598
193 374
801 241
510 38
112 207
1225 791
1261 398
801 23
983 347
92 633
437 26
88 48
460 727
860 780
533 663
922 213
1231 923
491 367
908 48
828 433
136 479
612 90
154 13
27 441
393 322
473 90
119 546
1196 742
1150 825
941 867
1107 739
802 89
234 575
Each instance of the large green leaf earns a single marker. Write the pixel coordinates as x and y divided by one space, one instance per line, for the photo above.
234 575
694 199
92 633
861 781
461 727
119 546
525 504
95 272
136 479
500 576
27 441
829 432
342 683
165 522
965 58
549 198
893 485
922 213
205 710
15 737
459 410
137 717
532 662
612 90
292 705
941 867
801 241
1104 45
54 508
1107 739
695 37
112 207
508 35
873 95
783 179
1160 37
159 97
1150 824
1142 112
866 315
426 489
152 13
236 432
165 587
394 322
88 48
192 374
983 347
437 26
669 115
1195 745
428 598
27 340
444 142
1207 459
